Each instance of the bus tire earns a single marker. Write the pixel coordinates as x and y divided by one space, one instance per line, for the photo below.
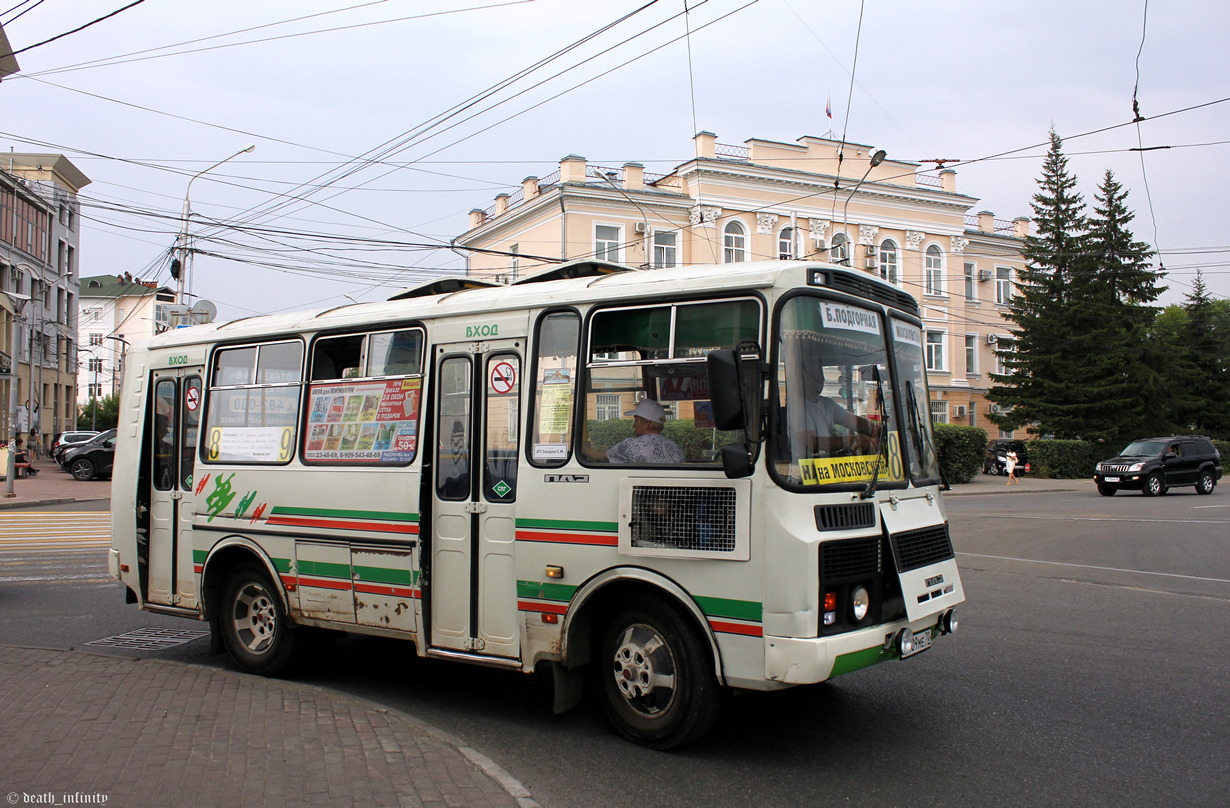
655 675
254 626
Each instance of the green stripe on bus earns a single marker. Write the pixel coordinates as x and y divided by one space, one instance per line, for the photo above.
545 591
324 569
565 524
858 660
199 556
724 607
281 564
384 575
388 516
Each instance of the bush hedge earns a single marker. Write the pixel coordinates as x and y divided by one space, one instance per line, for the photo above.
961 450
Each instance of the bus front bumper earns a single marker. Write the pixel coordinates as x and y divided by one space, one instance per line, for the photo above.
807 660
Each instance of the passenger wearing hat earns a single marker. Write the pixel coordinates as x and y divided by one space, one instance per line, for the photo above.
647 445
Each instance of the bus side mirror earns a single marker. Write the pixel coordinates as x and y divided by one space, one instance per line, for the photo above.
737 460
726 387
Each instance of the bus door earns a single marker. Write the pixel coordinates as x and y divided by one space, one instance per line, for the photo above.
171 442
472 580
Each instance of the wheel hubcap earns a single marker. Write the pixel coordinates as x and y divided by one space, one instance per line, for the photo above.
644 670
255 618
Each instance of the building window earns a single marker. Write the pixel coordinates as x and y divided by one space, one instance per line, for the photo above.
95 390
96 338
785 244
888 262
971 354
935 351
971 275
734 243
939 412
1003 347
607 406
96 365
933 272
514 260
1003 285
606 242
840 250
665 248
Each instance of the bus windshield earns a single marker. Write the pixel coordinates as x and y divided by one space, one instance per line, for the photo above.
924 463
835 421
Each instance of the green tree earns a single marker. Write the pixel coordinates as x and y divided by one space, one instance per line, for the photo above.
99 413
1200 349
1040 389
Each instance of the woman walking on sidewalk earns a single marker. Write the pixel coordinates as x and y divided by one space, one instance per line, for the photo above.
1010 467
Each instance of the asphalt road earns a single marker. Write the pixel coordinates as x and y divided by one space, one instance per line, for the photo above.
1090 669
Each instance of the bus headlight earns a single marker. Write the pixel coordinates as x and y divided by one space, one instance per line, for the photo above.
860 603
905 642
948 623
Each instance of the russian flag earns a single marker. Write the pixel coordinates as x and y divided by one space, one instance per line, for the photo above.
828 106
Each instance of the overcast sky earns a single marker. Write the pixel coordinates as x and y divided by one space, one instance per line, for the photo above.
144 100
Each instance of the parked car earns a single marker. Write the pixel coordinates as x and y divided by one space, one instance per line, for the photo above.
1153 465
997 457
93 458
65 440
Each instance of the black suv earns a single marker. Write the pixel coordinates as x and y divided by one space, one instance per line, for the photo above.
996 457
1153 465
91 459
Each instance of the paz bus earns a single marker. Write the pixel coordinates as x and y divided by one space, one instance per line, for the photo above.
432 468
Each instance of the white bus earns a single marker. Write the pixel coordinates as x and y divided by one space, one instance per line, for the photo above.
458 467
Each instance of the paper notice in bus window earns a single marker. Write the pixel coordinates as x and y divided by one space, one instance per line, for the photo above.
555 402
364 422
550 451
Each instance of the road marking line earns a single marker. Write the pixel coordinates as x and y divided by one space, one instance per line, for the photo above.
1103 569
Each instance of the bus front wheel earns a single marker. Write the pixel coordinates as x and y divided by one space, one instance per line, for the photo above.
254 626
655 676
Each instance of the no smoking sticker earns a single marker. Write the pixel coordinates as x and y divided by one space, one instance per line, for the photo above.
192 398
503 378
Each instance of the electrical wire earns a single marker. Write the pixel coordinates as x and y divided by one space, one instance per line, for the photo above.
74 31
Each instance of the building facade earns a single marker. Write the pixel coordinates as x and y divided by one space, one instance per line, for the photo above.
114 310
39 255
814 199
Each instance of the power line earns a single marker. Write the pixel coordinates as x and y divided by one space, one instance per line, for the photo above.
75 30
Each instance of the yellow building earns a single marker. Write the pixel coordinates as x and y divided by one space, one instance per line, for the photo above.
813 199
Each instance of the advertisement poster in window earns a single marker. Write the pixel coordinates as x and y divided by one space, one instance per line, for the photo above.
363 422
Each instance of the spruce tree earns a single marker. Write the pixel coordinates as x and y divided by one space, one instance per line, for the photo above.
1041 388
1201 376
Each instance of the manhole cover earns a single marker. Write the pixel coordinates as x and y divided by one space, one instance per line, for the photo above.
150 639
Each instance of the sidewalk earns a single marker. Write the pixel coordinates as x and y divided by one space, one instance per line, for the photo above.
92 729
995 484
51 486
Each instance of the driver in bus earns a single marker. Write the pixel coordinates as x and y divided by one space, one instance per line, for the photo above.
829 428
647 444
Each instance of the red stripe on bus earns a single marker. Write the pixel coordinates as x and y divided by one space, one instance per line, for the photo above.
385 589
198 568
737 628
325 583
341 525
549 608
567 538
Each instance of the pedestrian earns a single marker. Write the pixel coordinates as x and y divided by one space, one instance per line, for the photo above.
1010 461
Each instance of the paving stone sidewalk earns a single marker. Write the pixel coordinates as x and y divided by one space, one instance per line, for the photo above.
81 728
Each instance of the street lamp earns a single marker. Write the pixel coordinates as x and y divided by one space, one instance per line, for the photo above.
10 472
876 159
182 245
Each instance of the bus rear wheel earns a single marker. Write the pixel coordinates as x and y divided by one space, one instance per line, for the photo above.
655 676
253 624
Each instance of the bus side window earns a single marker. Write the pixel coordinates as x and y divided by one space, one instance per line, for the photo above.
555 385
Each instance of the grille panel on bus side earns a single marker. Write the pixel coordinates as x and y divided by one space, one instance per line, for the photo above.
845 516
850 558
683 518
918 548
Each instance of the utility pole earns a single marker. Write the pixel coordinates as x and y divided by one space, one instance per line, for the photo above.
19 303
182 251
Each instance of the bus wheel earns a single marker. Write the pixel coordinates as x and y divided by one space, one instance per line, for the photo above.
655 676
254 626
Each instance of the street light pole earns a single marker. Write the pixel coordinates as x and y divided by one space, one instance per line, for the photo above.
10 472
182 243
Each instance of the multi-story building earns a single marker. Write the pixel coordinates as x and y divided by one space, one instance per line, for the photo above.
114 310
39 240
814 199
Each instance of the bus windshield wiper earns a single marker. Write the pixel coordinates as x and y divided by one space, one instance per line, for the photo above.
870 490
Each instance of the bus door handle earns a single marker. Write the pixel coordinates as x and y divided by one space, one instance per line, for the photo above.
476 507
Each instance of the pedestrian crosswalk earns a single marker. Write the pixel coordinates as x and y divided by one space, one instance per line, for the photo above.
55 531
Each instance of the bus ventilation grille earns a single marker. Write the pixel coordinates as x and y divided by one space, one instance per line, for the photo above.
850 558
681 518
918 548
846 516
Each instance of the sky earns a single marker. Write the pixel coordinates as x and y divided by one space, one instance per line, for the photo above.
379 125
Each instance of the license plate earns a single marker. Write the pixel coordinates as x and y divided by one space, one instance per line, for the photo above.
922 641
1110 479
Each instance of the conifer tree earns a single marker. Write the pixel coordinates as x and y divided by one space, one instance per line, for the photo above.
1200 376
1041 383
